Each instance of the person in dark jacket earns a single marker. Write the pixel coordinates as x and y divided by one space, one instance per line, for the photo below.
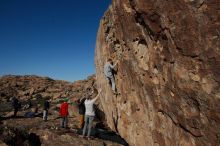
16 105
64 112
46 108
81 107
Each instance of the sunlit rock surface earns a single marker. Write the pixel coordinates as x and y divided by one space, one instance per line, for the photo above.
168 75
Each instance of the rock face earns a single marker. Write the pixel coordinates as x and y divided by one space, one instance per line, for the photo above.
168 74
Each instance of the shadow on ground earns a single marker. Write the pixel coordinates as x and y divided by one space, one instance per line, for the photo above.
105 134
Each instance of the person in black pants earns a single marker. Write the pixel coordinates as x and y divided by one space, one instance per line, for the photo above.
46 108
81 107
16 105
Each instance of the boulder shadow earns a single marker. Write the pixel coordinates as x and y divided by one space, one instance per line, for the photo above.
100 132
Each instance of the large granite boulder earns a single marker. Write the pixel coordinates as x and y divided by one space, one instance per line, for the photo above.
168 75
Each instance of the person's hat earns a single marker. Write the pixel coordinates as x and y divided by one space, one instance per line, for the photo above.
65 99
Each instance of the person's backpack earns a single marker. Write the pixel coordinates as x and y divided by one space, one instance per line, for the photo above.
46 105
82 108
19 105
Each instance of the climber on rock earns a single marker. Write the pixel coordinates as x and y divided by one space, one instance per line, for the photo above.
109 73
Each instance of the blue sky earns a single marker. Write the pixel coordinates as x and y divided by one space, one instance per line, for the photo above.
54 38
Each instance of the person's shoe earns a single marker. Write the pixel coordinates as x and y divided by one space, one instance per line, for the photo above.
115 92
82 136
90 138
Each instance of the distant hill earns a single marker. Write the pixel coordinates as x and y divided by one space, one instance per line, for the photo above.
31 86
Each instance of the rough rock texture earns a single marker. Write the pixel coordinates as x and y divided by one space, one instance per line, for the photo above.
168 73
37 89
21 131
35 132
32 87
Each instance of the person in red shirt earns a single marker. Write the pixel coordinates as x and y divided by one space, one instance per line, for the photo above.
64 113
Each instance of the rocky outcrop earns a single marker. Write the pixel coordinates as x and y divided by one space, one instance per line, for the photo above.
168 74
37 89
32 87
33 131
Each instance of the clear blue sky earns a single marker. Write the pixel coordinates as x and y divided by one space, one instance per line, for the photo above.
54 38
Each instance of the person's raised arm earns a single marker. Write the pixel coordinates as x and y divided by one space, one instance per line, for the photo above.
97 96
115 64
